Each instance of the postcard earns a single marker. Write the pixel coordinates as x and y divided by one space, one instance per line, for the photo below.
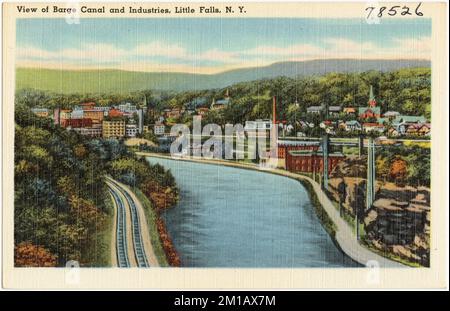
242 145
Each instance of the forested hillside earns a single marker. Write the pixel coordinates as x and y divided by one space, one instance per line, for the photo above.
407 91
103 80
61 208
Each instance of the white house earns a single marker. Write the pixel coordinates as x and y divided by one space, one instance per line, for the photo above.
159 128
128 107
131 130
258 124
352 125
314 109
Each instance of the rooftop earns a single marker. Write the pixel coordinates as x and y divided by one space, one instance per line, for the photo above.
309 153
314 108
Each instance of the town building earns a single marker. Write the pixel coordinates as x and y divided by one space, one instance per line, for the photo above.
352 125
159 128
76 123
87 105
114 128
202 111
410 119
95 115
306 161
373 127
391 114
258 124
286 146
173 113
114 113
197 102
350 110
77 113
372 111
418 129
104 109
40 112
425 130
402 122
131 130
94 131
369 112
334 110
127 108
400 127
64 114
220 104
392 132
314 109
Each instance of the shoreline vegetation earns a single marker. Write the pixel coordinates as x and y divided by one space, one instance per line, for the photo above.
165 251
156 188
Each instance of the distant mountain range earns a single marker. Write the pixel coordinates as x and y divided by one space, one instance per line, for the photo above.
104 80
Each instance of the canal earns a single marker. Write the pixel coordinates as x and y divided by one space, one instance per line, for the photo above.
231 217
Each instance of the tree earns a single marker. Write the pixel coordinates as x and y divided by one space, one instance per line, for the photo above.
382 167
399 171
29 255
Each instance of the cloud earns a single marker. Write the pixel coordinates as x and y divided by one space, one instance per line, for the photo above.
293 50
158 48
163 56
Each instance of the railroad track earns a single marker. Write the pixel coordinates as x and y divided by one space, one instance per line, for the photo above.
138 244
121 232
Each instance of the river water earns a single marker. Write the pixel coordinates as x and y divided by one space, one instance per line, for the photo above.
231 217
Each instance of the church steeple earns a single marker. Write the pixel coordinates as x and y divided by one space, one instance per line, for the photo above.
372 101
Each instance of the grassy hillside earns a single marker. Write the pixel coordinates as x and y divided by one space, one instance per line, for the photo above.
99 81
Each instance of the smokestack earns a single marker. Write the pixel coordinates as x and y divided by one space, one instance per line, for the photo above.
274 112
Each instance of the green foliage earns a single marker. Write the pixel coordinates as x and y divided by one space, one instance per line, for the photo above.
406 91
151 137
417 159
30 97
53 185
60 192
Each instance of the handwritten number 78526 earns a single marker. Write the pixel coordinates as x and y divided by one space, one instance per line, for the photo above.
392 11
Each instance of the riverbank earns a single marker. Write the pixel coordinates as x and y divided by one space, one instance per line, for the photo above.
344 236
163 246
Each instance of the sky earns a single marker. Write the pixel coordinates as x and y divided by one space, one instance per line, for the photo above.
211 45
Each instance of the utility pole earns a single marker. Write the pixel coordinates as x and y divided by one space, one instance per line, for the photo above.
370 189
361 145
325 160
